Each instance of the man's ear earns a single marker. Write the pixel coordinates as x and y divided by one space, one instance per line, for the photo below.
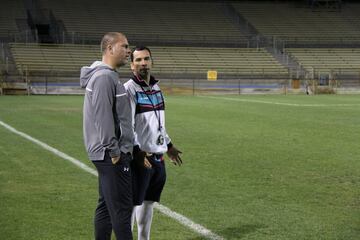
110 49
132 66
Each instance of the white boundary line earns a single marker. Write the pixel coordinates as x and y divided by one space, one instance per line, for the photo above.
161 208
285 104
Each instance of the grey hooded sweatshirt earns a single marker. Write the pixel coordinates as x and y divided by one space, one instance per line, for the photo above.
107 118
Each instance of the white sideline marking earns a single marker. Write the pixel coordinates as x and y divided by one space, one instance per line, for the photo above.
51 149
285 104
161 208
187 222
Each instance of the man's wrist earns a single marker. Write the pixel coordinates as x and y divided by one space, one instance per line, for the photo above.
136 149
115 160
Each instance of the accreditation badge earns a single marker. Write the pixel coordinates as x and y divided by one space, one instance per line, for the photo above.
160 140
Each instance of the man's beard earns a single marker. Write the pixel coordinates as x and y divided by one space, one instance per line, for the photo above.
144 73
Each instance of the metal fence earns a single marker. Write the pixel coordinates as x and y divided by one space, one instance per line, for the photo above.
57 83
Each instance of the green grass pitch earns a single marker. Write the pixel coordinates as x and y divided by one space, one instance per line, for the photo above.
255 167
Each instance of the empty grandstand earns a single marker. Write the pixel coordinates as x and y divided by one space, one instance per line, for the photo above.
178 61
302 25
342 64
165 21
247 43
328 60
12 14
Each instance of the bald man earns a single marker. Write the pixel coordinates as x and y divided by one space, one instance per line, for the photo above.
109 136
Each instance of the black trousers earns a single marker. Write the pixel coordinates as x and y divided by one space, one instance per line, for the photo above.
115 205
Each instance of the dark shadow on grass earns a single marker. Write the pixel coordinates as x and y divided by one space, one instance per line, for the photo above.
236 232
240 231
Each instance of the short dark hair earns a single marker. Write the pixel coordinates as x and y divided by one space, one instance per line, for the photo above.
109 39
139 48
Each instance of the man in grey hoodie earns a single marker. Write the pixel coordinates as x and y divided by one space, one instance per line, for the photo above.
109 137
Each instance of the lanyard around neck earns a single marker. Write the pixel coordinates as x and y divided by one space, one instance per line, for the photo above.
157 112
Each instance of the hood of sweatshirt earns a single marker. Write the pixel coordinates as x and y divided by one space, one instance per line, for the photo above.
88 71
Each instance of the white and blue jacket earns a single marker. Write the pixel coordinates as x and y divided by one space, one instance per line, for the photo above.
147 114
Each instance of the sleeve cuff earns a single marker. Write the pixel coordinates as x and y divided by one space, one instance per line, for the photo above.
169 145
114 153
136 149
